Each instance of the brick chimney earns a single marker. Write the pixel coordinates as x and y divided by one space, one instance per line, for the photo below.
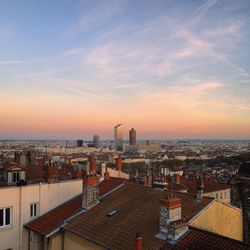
90 195
177 178
138 242
172 226
52 173
170 210
118 164
199 188
92 164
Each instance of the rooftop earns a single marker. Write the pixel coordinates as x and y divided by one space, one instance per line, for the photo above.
52 220
138 208
199 239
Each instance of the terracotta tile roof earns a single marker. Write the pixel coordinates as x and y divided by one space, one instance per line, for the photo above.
209 185
178 187
11 166
50 221
128 181
138 211
196 239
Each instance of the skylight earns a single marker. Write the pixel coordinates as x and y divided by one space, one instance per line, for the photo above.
112 213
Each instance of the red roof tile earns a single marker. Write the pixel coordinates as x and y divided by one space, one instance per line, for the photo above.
50 221
138 211
209 185
196 239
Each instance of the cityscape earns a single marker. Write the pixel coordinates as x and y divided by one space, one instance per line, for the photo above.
124 125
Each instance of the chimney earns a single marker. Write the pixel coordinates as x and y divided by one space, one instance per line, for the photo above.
177 178
90 195
170 210
138 242
106 175
199 188
118 164
172 226
52 173
92 164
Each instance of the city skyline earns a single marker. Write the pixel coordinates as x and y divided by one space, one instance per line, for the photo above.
170 69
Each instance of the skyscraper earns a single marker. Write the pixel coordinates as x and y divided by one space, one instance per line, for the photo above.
132 137
96 141
118 137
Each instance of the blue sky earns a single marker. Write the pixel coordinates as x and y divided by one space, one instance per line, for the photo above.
169 68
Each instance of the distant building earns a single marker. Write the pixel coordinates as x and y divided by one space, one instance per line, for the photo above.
79 143
118 137
131 148
96 141
11 174
132 137
211 187
149 148
20 158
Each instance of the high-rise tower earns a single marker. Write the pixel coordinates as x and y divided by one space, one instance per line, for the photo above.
132 137
96 141
118 137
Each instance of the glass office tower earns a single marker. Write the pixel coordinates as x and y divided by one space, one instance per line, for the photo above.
118 137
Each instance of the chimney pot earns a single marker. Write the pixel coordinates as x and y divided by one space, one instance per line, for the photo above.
199 187
177 179
106 176
138 242
118 164
92 164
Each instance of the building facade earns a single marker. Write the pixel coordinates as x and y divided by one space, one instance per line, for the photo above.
20 205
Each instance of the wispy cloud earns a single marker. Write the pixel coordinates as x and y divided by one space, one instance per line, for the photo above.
95 16
181 67
200 11
10 62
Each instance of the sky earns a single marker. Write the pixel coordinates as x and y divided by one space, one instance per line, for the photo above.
170 69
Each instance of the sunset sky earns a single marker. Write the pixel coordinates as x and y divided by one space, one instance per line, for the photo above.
168 68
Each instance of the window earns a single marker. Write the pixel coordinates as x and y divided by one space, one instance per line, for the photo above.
217 196
33 209
221 195
5 217
16 176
